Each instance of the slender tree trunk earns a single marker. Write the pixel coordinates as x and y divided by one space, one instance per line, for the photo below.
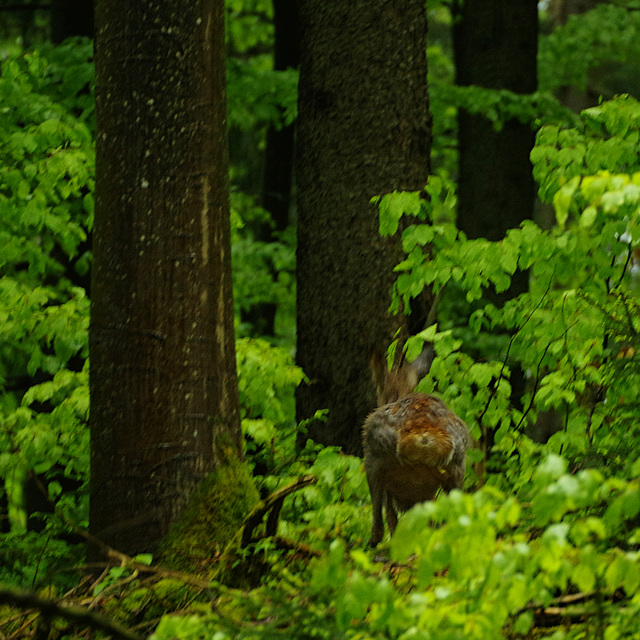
495 46
495 43
278 158
363 129
164 404
278 173
71 18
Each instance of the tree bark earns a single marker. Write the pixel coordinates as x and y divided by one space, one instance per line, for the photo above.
495 44
278 172
278 157
363 129
164 403
71 18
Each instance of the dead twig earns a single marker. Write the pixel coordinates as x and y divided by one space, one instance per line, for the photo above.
51 609
270 505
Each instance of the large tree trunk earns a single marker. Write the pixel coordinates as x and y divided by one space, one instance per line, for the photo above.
495 44
164 404
363 129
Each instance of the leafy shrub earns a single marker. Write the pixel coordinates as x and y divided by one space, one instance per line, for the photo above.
579 317
263 272
482 566
267 379
46 204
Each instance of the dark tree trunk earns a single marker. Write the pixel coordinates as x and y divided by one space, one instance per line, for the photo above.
71 18
276 193
363 129
495 43
164 404
495 46
279 152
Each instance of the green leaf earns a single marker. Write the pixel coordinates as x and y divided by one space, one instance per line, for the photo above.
588 216
393 206
563 199
584 577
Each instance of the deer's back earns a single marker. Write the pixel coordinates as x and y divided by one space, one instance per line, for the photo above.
415 445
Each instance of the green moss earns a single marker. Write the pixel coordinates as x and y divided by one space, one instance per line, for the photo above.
136 600
146 600
213 517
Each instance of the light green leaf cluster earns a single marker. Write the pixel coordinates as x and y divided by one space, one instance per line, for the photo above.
608 140
474 572
41 441
46 175
267 380
46 209
574 331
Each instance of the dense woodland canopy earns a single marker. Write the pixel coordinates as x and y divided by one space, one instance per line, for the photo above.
526 287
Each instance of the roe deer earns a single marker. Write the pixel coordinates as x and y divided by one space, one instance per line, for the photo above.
413 444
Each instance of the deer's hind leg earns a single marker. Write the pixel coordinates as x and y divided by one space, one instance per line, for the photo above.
390 510
377 496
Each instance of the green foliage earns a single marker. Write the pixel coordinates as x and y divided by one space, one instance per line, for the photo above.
267 379
500 105
478 569
555 528
31 559
46 176
263 271
259 96
579 314
597 47
249 26
46 206
69 77
607 141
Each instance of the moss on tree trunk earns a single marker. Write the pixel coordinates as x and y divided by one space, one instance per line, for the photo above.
213 516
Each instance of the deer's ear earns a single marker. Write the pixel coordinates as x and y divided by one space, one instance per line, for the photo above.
422 364
379 370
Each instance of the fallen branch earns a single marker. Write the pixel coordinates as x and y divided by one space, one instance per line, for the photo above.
297 547
272 505
52 609
570 606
